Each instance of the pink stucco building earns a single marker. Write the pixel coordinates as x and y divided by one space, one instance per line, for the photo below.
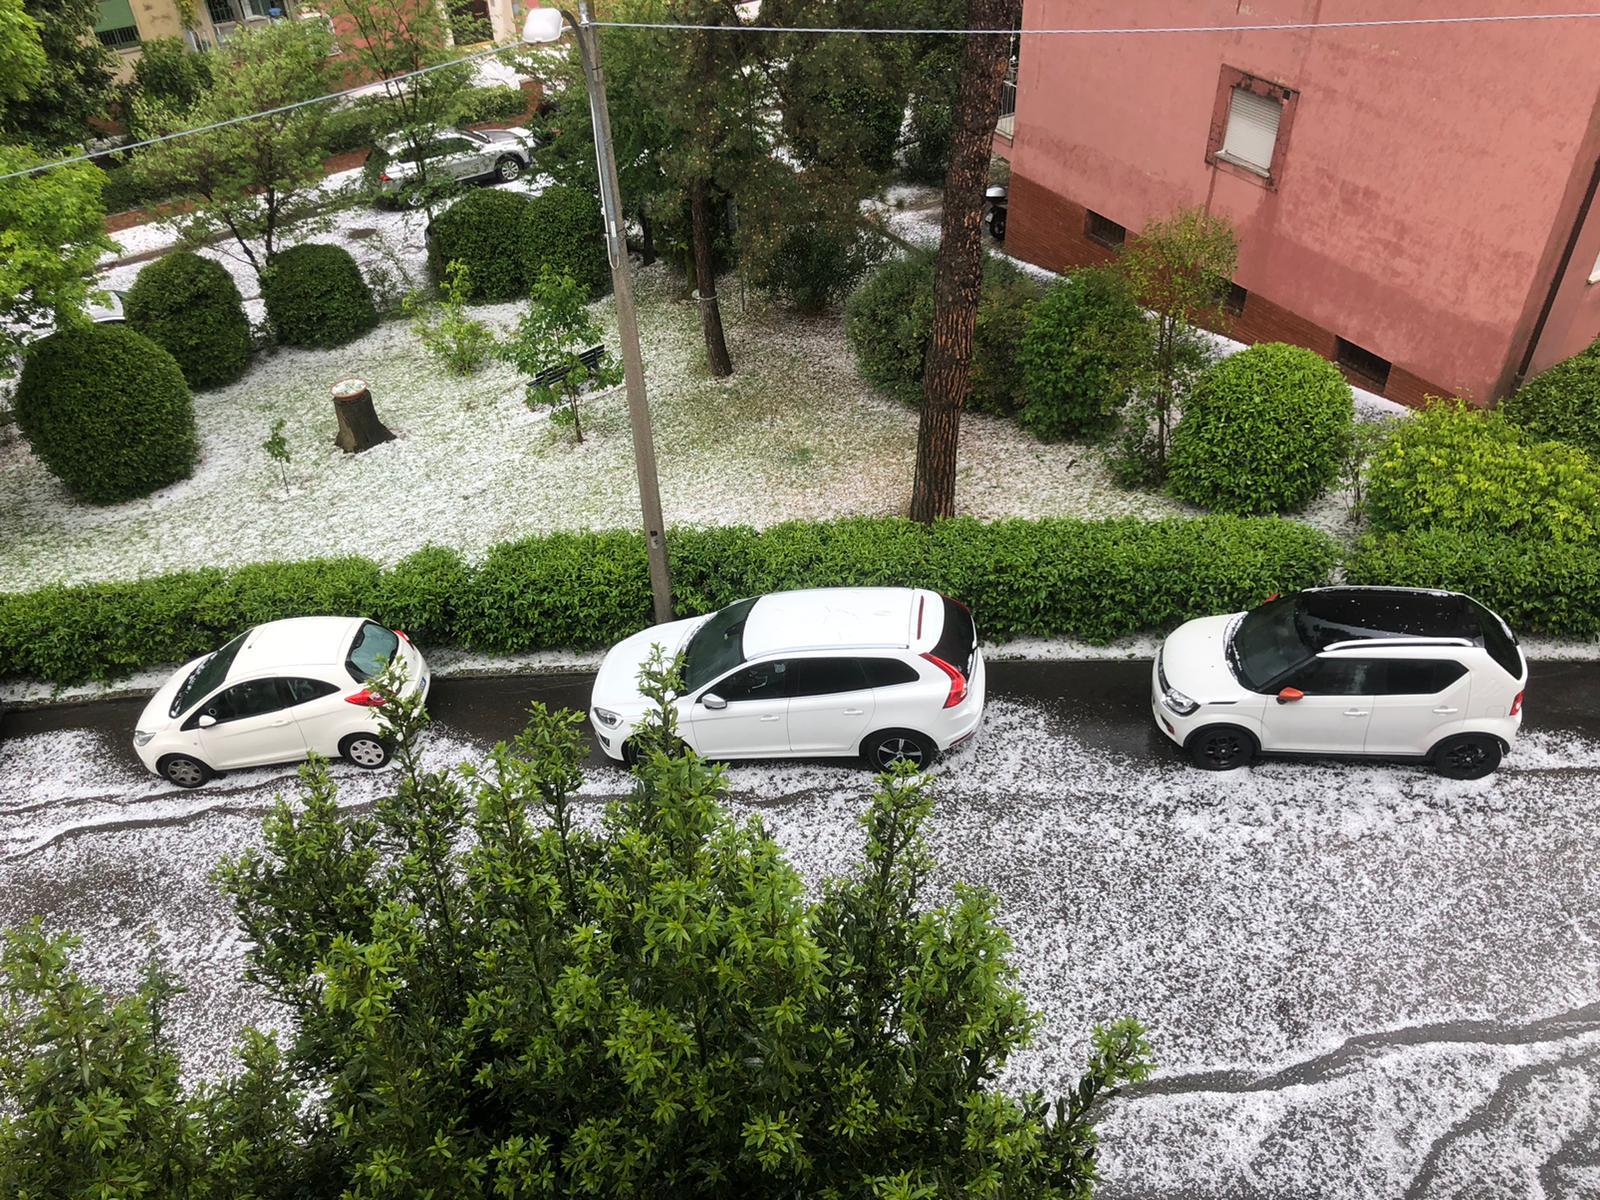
1416 203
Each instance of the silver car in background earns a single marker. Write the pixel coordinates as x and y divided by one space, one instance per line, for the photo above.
394 168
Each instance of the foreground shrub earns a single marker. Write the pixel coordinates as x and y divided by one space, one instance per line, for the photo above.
1539 586
889 322
191 307
107 411
562 232
1562 404
1095 580
315 296
1455 467
648 1005
479 232
1264 430
1079 348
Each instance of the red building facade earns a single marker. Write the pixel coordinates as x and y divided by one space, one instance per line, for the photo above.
1416 203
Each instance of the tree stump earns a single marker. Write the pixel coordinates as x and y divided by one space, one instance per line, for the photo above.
359 427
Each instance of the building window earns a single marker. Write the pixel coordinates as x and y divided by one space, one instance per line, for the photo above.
1594 275
1233 302
1250 126
1364 364
116 27
1103 230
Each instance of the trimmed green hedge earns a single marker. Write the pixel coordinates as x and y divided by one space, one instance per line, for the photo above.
191 307
1538 586
479 231
562 229
315 296
1562 404
1095 580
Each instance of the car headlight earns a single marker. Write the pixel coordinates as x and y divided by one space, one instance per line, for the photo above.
1178 702
141 738
607 718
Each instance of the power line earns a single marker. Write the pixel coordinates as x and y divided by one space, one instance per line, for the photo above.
271 112
1091 31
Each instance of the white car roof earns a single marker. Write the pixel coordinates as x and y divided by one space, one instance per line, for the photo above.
316 642
831 618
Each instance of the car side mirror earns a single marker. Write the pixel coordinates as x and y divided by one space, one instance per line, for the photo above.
713 701
1290 695
206 721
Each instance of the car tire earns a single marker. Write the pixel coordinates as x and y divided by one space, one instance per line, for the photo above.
997 226
1467 756
887 747
1221 748
411 198
507 168
184 771
367 750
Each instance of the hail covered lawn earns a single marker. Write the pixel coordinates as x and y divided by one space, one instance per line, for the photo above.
1361 978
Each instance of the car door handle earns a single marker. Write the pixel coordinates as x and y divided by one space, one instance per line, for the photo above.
280 724
773 717
1446 709
854 712
1356 712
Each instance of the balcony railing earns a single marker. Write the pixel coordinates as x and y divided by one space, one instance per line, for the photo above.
1007 124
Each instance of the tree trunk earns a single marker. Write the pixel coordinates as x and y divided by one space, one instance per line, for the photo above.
647 251
958 270
705 279
359 427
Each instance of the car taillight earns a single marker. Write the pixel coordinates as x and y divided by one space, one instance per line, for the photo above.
366 697
401 634
384 178
958 681
1516 705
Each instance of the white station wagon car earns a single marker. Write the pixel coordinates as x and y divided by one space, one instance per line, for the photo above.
276 694
1397 673
888 674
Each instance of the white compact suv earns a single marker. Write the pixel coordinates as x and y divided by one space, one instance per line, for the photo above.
889 674
275 694
1398 673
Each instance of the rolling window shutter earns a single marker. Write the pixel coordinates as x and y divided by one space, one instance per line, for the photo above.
114 14
1252 129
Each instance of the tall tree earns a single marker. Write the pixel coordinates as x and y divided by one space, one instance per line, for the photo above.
254 178
958 268
22 59
76 83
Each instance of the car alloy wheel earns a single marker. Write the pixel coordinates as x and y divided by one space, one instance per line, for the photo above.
185 772
366 751
898 746
1470 757
1221 748
508 169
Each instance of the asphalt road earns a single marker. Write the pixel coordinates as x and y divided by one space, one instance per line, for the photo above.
1360 980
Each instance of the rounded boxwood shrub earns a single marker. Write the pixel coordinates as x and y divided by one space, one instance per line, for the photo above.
190 306
1265 430
562 230
316 297
108 411
1077 351
1470 470
812 266
1562 403
888 322
480 232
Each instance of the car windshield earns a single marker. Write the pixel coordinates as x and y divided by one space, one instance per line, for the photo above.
1269 641
207 674
373 648
717 646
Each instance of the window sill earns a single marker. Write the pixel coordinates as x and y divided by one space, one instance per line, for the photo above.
1224 156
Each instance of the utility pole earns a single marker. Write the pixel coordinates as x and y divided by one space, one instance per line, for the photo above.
540 27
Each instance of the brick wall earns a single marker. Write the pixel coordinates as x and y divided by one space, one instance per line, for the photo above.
1048 230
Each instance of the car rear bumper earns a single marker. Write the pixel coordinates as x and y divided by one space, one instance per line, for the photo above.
961 723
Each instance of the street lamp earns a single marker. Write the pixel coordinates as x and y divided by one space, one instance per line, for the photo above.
544 25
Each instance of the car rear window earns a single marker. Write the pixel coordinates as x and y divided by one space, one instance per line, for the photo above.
958 640
373 648
207 675
1498 640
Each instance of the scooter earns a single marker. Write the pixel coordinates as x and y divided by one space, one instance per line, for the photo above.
994 207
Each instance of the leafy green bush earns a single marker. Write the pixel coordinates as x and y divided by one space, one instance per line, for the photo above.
888 322
811 267
1078 350
168 71
1456 467
562 231
190 306
127 188
1264 430
1539 586
358 126
108 411
1562 404
478 231
315 296
477 105
1095 580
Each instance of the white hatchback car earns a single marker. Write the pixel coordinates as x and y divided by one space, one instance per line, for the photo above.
889 674
275 694
1398 673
